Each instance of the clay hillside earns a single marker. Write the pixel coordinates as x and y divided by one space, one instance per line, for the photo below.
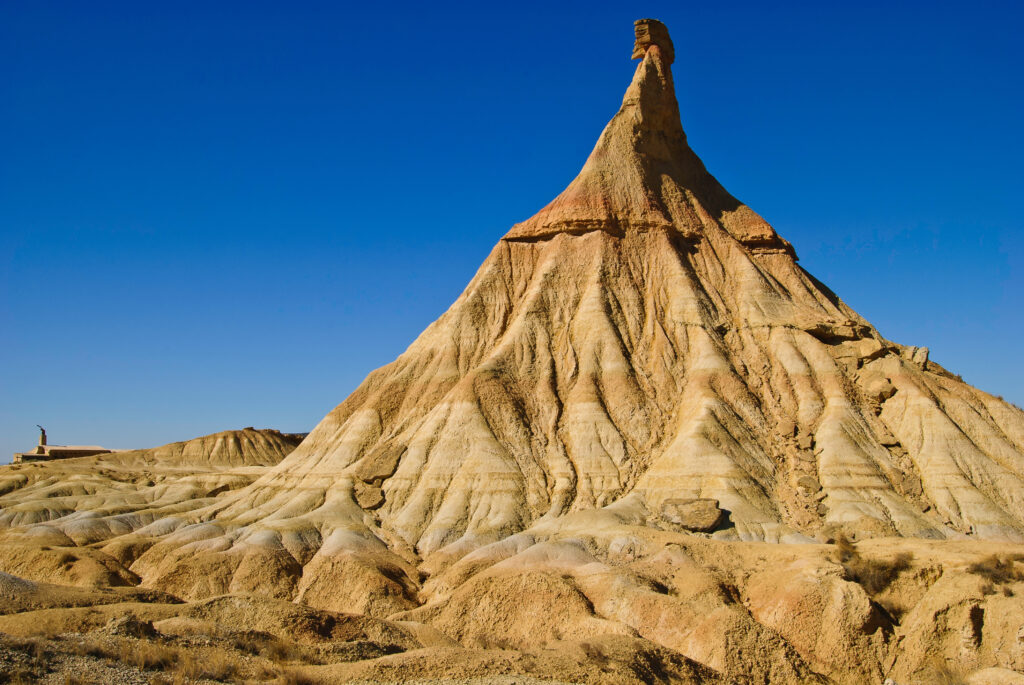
644 445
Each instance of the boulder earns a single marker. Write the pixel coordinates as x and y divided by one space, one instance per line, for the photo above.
917 355
921 357
808 483
699 515
130 625
368 496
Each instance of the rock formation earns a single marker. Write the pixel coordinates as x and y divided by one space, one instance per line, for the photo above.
639 381
647 336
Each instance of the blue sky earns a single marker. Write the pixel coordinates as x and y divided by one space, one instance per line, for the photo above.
216 215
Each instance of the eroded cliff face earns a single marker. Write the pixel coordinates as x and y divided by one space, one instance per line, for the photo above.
643 348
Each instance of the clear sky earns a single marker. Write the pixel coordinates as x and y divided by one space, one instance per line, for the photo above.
217 215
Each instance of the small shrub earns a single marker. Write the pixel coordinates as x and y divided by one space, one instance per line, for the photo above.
595 655
845 550
996 569
874 575
877 574
659 587
895 608
501 643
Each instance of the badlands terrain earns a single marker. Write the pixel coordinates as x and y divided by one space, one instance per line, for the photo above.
644 445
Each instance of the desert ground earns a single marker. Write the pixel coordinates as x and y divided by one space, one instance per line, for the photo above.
614 595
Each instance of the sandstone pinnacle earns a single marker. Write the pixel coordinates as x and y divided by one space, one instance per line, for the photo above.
567 465
647 337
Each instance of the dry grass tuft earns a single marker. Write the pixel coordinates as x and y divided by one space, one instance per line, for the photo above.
208 665
293 677
267 646
250 643
999 570
942 674
21 676
874 575
34 647
95 649
279 651
147 656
